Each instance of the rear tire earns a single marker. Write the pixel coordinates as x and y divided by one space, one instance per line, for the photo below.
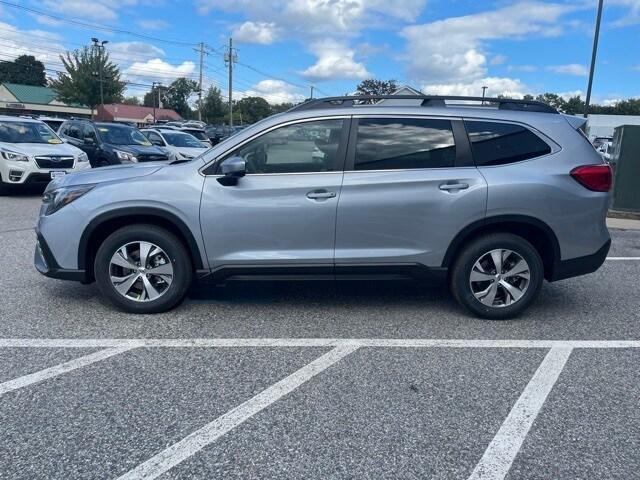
497 277
143 269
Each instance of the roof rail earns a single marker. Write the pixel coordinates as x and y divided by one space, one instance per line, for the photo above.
427 101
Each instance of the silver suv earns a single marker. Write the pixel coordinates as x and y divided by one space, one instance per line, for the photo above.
493 196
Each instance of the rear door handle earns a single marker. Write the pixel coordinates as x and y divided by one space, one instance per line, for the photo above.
454 186
320 194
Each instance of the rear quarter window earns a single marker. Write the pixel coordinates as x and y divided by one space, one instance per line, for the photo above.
495 143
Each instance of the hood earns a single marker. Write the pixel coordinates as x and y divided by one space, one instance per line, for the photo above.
138 149
106 174
192 152
33 149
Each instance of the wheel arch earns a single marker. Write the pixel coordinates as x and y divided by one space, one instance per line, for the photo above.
538 233
106 223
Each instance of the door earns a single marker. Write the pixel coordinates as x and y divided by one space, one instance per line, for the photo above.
409 187
283 212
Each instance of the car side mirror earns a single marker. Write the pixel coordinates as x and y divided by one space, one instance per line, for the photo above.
233 169
89 141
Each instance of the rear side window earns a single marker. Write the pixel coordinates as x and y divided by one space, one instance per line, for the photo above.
495 143
404 143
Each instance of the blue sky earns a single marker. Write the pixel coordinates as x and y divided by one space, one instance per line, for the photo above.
284 46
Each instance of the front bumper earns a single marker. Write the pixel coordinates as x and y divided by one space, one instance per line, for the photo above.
46 264
581 265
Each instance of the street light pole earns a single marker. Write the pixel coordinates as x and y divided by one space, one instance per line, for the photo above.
594 52
100 48
484 89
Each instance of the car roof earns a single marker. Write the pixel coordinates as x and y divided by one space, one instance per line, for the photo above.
11 118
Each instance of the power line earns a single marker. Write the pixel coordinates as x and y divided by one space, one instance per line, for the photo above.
93 26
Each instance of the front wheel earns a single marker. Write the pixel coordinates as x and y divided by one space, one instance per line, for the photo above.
497 277
143 269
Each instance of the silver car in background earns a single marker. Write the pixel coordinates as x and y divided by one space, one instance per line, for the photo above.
493 196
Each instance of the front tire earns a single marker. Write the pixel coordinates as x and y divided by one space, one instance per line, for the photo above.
143 269
497 277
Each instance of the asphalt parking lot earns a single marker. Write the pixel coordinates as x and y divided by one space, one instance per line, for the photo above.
316 380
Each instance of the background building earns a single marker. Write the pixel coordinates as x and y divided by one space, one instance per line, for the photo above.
18 99
119 112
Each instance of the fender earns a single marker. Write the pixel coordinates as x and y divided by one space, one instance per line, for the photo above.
497 220
169 217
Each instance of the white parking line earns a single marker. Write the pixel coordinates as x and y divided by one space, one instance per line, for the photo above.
501 452
56 370
176 453
307 342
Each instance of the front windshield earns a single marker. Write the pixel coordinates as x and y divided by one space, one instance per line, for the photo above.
122 135
199 134
178 139
27 132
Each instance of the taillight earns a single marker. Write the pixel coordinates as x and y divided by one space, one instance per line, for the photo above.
593 177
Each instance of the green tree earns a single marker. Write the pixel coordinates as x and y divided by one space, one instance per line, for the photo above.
372 86
25 70
574 106
281 107
253 109
213 107
131 101
81 82
552 99
177 96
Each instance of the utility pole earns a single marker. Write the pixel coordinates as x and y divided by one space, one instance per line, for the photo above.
594 51
230 57
200 83
99 46
484 89
311 86
153 98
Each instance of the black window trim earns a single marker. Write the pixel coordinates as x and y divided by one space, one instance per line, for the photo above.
460 138
211 169
553 146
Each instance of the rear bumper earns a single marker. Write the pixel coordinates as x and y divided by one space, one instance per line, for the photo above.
46 264
581 265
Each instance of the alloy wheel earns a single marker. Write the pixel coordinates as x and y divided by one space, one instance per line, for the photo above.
499 278
140 271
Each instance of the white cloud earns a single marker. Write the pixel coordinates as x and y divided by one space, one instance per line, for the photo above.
522 68
571 94
274 92
98 10
335 61
256 32
157 70
16 42
498 60
151 24
319 16
569 69
133 51
453 50
496 86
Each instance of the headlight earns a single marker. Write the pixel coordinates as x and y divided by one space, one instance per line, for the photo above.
57 198
126 156
14 156
83 158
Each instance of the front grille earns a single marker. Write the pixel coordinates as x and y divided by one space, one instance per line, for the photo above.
144 157
54 161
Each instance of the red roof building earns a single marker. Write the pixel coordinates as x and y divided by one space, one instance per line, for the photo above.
119 112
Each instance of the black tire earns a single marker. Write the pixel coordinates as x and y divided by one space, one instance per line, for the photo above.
472 252
104 163
4 188
172 246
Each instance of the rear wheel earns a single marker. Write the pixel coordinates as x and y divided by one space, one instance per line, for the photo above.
143 269
498 276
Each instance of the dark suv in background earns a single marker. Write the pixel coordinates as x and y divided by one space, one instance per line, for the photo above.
110 143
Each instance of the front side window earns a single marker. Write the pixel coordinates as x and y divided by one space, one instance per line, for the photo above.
27 132
300 148
404 143
494 143
179 139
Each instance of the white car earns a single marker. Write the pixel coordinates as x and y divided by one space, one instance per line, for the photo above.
181 144
31 153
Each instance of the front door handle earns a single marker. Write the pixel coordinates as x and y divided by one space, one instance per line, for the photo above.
454 186
320 195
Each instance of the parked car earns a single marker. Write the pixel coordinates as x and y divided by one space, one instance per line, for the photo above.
181 144
53 122
494 200
199 133
31 153
110 143
216 134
